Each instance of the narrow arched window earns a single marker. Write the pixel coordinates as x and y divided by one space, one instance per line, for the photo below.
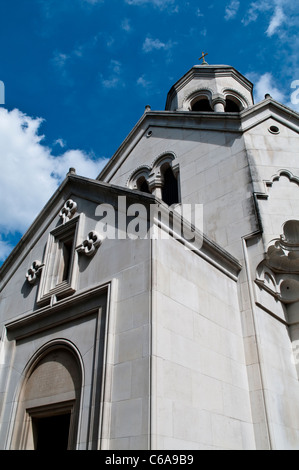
170 190
142 185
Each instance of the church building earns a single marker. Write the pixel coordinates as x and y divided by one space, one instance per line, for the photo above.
157 305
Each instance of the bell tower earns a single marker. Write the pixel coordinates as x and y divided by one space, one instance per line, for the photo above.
214 88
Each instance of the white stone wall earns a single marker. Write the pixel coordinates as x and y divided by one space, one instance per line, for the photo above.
130 389
280 381
200 387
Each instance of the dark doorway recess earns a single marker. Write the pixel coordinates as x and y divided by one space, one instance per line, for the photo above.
52 432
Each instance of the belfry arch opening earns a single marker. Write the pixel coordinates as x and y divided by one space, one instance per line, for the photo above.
142 185
202 104
47 418
232 105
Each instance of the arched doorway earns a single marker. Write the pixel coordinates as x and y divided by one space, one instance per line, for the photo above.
48 410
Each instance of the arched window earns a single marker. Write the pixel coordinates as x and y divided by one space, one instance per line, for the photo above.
170 190
202 104
231 106
142 185
139 179
49 404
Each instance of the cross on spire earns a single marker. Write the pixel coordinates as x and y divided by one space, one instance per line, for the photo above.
203 58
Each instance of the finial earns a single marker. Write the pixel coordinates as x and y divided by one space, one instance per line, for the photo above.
203 58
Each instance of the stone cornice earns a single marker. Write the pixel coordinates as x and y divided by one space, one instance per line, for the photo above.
261 111
70 309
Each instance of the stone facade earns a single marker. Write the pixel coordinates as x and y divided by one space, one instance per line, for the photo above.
180 333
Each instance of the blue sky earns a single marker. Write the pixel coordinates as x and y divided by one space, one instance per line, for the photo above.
79 73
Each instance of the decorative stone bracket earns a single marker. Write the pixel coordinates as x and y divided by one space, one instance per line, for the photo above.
68 210
34 272
278 273
89 246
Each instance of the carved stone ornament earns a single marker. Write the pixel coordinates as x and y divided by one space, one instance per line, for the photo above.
68 210
34 272
279 272
91 244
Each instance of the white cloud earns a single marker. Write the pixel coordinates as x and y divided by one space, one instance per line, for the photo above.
126 25
115 78
275 11
155 44
231 9
112 82
255 9
59 59
265 84
143 82
199 13
5 249
277 20
93 2
115 66
59 142
30 173
161 4
60 63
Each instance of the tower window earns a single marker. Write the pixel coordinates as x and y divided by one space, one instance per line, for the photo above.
231 106
202 105
170 190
